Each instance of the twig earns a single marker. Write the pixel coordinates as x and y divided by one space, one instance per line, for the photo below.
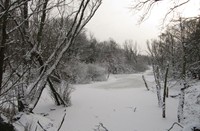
101 124
135 109
36 128
41 126
62 122
175 123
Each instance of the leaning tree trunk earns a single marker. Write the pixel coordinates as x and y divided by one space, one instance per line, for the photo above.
56 96
145 82
79 22
22 105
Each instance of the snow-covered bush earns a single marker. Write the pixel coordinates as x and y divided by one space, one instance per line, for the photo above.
140 67
77 72
96 72
65 91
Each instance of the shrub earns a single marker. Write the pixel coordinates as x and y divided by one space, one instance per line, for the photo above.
75 72
141 67
65 92
82 73
96 72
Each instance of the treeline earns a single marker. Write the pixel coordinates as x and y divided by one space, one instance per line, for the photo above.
104 58
88 59
175 56
179 48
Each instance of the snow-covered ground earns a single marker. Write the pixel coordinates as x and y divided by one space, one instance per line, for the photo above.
121 104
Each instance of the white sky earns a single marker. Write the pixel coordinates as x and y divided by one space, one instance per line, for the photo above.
115 20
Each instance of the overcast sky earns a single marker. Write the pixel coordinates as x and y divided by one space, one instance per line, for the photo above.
115 20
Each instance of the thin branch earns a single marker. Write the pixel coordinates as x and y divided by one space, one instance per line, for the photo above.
62 122
146 5
41 126
174 8
175 123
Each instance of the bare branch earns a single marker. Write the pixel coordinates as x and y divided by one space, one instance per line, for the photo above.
62 122
147 6
174 8
175 123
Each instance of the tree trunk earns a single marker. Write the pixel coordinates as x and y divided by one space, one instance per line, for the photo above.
165 94
158 85
56 96
4 21
158 91
78 23
145 82
180 114
35 54
39 58
38 95
25 27
42 22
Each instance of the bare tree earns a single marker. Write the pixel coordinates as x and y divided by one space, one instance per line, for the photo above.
156 71
177 39
183 74
131 51
28 68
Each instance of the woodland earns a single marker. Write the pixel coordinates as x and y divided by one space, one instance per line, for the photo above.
44 43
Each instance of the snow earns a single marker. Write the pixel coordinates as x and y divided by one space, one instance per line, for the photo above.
121 104
33 122
191 127
192 105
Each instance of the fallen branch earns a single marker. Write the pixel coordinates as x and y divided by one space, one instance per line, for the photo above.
133 108
175 123
101 126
